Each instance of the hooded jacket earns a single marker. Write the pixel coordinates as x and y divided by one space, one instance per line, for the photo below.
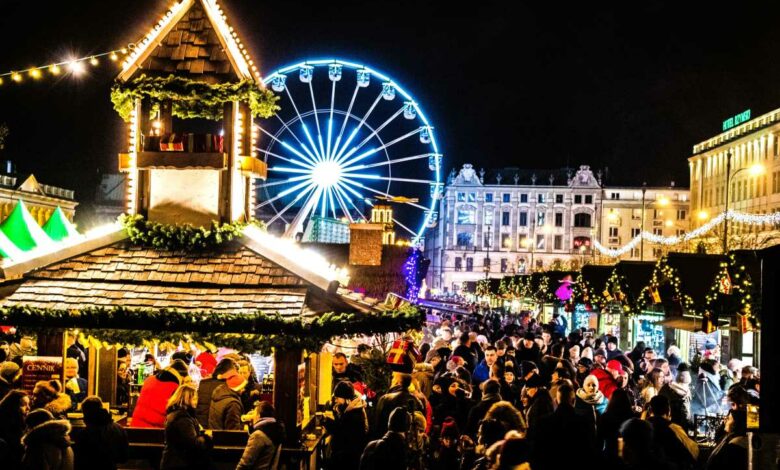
387 453
47 446
679 396
226 409
149 410
478 412
101 445
186 446
205 390
395 397
59 406
607 384
348 432
263 445
423 374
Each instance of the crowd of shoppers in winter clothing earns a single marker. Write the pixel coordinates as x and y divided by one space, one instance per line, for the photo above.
487 391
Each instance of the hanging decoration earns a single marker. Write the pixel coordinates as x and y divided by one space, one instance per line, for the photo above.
411 274
734 216
58 227
23 230
179 237
72 66
663 274
247 332
739 296
191 98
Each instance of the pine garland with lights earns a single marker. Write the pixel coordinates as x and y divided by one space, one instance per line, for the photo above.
664 274
740 299
180 237
411 269
247 331
193 99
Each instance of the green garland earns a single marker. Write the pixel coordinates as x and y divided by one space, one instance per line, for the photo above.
255 331
193 99
180 237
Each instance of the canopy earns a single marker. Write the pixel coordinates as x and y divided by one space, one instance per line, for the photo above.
23 230
58 227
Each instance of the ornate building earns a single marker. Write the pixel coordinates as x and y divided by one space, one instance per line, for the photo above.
512 221
41 199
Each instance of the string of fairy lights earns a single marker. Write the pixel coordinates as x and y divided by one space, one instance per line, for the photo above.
734 216
73 66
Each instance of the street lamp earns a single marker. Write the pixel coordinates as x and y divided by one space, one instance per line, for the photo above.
754 170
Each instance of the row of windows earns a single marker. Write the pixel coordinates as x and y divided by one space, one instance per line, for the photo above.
540 198
466 240
468 216
739 191
743 155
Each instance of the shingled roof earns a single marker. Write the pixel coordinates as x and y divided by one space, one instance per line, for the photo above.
191 46
231 278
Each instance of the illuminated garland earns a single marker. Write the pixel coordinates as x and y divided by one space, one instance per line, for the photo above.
179 237
740 298
616 286
735 216
192 98
410 268
73 66
583 293
664 274
255 331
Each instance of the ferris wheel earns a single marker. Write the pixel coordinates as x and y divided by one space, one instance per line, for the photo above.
347 138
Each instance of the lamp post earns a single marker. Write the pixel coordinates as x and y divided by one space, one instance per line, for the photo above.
754 170
487 260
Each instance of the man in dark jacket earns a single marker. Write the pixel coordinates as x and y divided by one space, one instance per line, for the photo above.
490 395
102 444
465 352
668 443
528 350
347 425
265 442
581 444
226 408
389 452
207 387
398 395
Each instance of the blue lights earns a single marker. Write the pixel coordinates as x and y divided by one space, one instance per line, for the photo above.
327 170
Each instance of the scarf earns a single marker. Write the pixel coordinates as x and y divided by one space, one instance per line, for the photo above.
680 389
595 398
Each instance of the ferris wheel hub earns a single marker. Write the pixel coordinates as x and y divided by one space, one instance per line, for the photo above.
326 174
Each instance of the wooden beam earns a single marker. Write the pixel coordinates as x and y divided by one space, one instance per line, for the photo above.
285 395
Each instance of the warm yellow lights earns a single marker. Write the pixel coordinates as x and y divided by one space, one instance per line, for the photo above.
703 215
113 56
525 242
17 77
663 201
612 216
35 73
94 62
757 169
668 223
76 67
55 69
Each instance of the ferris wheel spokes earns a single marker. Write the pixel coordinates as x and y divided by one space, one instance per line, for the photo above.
297 139
390 162
316 155
323 155
288 146
354 132
384 194
373 133
376 149
349 113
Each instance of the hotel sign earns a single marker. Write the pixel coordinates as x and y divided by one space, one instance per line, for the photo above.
744 116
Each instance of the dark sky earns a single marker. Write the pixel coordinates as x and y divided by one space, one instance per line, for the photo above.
529 84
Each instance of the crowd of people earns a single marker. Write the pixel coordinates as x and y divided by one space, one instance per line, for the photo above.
484 391
504 392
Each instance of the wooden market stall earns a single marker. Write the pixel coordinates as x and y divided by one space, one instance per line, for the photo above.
187 266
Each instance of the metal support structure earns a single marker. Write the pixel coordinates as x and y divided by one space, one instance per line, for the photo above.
726 219
642 227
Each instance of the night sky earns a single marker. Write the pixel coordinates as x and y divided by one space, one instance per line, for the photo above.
528 84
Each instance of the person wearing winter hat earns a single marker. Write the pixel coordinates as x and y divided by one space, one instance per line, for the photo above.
612 348
584 366
447 456
10 372
490 394
208 385
150 408
207 363
48 394
600 358
46 444
226 406
607 377
590 402
528 350
264 444
679 395
102 444
399 394
390 451
347 425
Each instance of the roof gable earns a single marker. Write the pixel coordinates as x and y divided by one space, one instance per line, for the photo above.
192 38
31 185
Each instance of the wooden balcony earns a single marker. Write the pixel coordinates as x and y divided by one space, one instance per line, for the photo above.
249 166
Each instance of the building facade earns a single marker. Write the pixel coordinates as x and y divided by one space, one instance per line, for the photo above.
512 221
516 221
627 211
751 182
41 199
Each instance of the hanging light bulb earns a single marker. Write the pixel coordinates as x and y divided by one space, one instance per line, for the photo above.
114 57
93 61
35 73
16 77
76 67
55 69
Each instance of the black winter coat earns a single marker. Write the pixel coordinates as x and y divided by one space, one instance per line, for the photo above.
580 439
101 445
47 446
205 389
348 432
387 453
478 412
186 446
394 397
226 409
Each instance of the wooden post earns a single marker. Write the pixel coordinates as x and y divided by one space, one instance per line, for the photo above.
142 128
228 120
286 391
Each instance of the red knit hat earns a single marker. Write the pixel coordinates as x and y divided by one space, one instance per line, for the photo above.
207 363
449 428
615 365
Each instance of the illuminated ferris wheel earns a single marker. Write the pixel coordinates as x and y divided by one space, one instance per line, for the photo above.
347 138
